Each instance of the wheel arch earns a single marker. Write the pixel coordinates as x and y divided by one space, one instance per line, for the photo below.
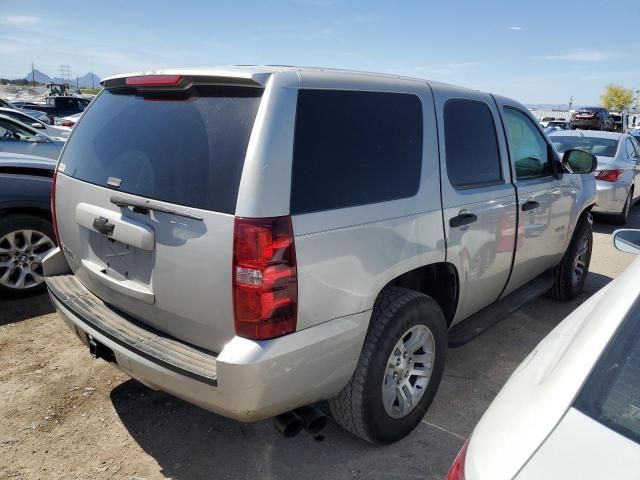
439 281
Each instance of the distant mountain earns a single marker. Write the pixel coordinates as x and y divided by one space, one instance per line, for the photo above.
86 81
38 76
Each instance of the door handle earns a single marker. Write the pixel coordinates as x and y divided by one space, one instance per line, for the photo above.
530 205
462 219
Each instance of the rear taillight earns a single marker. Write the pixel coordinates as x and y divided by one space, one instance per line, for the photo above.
53 206
610 175
265 280
456 472
68 124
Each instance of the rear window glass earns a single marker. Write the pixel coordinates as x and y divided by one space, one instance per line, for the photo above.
605 147
472 146
611 395
186 149
354 148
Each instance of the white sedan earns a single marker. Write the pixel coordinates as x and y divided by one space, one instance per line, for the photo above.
571 410
618 172
50 130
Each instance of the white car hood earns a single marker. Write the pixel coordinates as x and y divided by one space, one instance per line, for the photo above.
543 387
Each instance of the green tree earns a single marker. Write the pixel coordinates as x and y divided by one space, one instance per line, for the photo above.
616 97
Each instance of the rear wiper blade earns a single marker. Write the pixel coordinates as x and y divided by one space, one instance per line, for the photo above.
149 205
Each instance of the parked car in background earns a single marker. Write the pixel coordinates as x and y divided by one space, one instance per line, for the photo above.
617 175
62 106
345 282
592 118
572 407
554 125
43 117
16 137
69 121
26 231
21 116
619 121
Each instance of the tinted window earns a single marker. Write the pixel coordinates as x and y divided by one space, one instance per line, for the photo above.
12 132
354 148
605 147
188 151
471 145
528 148
612 393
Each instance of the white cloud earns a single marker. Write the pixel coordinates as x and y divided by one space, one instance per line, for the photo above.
514 28
579 56
19 20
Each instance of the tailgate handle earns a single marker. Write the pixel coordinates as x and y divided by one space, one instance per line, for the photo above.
102 225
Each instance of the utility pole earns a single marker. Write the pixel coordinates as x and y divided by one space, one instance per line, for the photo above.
65 73
637 93
33 75
92 78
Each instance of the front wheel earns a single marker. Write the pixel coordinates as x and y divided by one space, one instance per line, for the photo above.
399 369
571 273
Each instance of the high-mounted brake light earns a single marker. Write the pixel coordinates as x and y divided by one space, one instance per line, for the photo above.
456 472
610 175
53 206
153 80
265 280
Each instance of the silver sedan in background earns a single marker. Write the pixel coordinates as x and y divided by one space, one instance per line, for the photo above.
617 177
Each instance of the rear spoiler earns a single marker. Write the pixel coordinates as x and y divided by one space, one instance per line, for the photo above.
180 81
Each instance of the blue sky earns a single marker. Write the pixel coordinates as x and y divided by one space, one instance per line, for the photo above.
537 52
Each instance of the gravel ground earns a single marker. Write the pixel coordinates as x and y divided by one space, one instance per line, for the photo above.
64 415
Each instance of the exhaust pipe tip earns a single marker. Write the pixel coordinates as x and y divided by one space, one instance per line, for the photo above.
289 424
314 419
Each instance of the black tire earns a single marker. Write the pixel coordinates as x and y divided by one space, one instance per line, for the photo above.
11 223
567 286
358 408
623 217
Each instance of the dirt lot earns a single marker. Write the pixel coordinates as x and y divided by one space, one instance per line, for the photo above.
65 415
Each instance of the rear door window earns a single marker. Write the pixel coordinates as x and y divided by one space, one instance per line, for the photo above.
471 144
187 149
355 148
611 395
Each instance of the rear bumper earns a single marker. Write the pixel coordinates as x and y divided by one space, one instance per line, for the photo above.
611 197
586 124
248 380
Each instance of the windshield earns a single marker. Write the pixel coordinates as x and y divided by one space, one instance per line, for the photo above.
188 151
611 395
604 147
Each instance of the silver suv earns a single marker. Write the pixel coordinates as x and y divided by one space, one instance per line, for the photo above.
257 239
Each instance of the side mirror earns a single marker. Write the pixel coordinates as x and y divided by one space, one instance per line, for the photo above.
577 160
37 125
40 138
627 240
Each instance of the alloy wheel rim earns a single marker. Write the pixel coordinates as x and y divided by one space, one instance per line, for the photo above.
21 254
408 371
580 262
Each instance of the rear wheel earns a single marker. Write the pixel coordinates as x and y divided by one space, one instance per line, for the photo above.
24 241
571 273
399 369
623 217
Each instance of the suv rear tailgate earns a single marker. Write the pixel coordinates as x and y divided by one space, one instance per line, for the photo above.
181 155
